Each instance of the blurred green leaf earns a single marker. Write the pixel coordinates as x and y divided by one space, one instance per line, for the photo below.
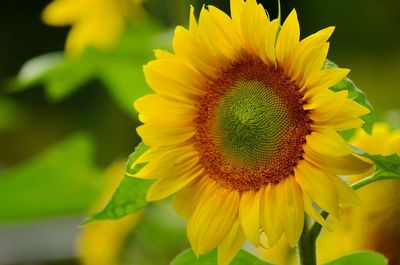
61 181
33 69
357 95
150 243
130 196
361 258
188 257
119 69
10 117
125 82
393 118
59 75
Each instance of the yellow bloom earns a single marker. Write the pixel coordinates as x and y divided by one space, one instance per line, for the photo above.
101 241
243 129
374 225
96 23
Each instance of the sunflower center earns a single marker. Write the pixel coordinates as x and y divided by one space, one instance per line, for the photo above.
249 121
251 126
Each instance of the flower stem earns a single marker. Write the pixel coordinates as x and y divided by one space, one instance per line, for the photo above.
307 245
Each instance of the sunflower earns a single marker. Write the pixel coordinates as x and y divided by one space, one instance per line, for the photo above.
243 129
96 23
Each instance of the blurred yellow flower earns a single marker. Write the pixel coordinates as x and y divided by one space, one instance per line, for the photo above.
96 23
101 241
375 225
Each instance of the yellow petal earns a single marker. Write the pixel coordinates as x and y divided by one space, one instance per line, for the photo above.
62 12
187 47
326 97
338 165
347 117
222 32
311 211
254 19
162 54
231 244
291 209
161 109
236 12
249 215
173 161
211 221
314 64
193 26
271 222
173 79
161 135
94 30
318 186
187 199
326 78
167 186
150 154
304 51
267 49
346 194
287 39
326 104
326 141
342 123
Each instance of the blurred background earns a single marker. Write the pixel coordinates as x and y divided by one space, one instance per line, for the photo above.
68 78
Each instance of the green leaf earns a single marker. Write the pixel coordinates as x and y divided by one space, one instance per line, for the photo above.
387 167
389 163
188 257
130 196
61 181
361 258
357 95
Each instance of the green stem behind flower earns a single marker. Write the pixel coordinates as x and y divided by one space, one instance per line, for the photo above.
307 246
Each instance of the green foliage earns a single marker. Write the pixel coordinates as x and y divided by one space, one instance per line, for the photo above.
119 69
361 258
159 235
188 257
357 95
59 75
10 117
130 196
393 118
387 167
61 181
390 164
